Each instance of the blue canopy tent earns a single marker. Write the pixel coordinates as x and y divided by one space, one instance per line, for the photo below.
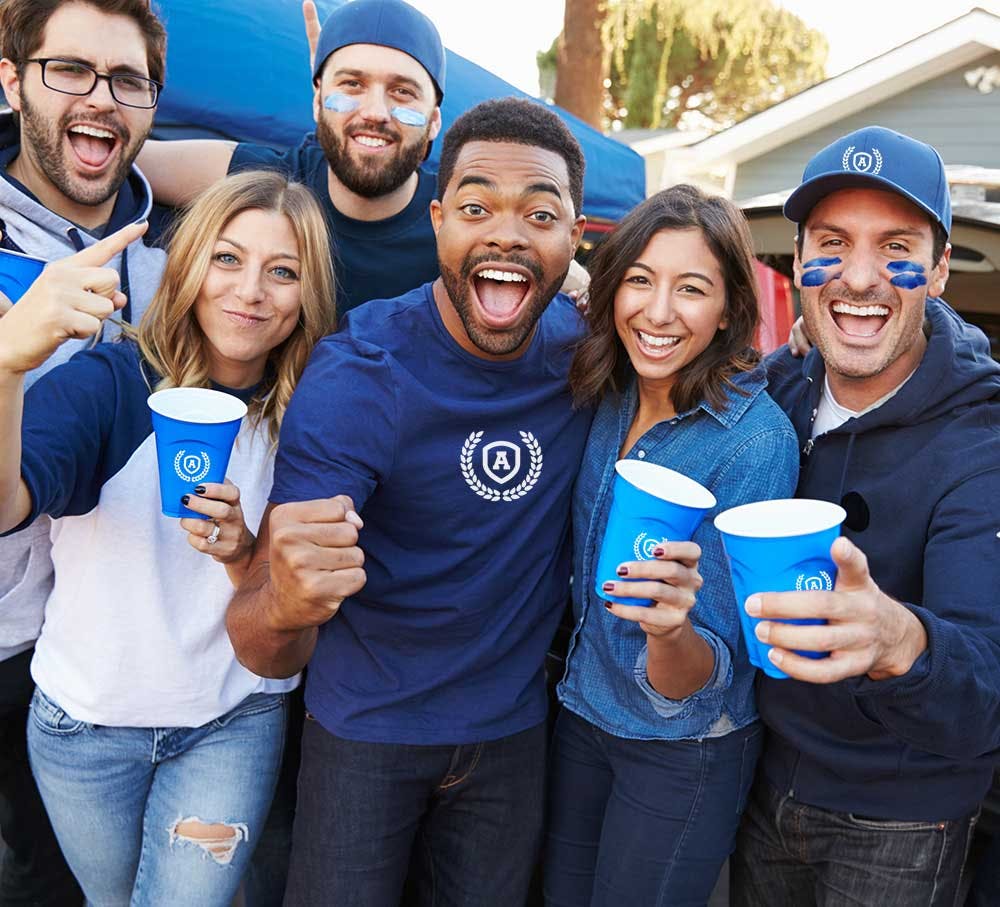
240 71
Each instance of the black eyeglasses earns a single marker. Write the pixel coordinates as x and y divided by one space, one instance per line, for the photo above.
72 77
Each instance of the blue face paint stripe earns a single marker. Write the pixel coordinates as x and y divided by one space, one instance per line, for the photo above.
909 281
340 103
814 273
909 274
408 116
899 266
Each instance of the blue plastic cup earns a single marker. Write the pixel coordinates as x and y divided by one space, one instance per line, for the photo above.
195 430
650 505
779 546
17 273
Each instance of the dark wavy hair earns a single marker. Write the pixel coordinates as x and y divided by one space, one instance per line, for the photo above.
601 363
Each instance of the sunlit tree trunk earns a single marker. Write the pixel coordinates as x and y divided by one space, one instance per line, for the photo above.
580 62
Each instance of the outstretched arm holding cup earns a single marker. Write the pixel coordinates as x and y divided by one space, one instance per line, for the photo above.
866 631
70 299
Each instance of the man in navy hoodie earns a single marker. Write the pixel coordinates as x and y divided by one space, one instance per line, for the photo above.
878 756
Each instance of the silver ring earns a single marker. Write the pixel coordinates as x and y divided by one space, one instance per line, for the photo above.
214 537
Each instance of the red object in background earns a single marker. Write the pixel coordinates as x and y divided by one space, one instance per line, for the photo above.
777 310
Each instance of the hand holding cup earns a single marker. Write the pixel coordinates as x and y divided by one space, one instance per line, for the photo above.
670 579
864 630
70 299
224 534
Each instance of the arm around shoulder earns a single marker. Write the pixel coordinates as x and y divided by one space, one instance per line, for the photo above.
178 170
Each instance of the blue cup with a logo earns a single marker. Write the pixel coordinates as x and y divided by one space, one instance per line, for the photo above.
779 546
195 430
18 272
650 505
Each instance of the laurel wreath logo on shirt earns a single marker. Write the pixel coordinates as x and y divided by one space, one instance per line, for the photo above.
490 493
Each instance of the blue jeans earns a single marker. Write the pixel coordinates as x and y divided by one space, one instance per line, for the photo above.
116 797
449 826
642 822
789 853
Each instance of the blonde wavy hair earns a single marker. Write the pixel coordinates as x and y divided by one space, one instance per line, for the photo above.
169 336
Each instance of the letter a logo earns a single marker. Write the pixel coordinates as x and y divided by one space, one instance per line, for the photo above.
497 457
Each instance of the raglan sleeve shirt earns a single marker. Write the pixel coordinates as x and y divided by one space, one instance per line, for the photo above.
67 438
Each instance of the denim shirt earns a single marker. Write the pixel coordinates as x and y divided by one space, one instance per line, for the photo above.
745 452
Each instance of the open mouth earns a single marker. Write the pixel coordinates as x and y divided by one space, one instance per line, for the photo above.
860 320
93 146
656 346
501 291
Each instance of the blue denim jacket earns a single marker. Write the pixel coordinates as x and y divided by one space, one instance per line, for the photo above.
745 452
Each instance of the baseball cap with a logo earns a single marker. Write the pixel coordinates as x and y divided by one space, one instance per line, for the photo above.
875 158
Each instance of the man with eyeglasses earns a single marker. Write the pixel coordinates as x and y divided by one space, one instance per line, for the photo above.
82 80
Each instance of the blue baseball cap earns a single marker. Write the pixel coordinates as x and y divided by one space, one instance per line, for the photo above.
389 23
875 158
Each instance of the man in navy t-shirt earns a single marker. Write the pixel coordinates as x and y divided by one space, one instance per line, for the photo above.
416 547
378 81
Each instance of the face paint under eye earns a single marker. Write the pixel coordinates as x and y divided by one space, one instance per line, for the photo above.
909 274
340 103
815 273
408 117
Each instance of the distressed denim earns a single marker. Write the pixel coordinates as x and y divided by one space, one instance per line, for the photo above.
115 796
379 824
790 854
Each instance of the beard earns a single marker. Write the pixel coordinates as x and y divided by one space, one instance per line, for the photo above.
490 341
372 178
45 138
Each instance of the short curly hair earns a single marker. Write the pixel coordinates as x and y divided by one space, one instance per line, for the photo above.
521 122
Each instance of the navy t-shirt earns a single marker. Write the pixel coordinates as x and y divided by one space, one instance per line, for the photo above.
371 259
462 469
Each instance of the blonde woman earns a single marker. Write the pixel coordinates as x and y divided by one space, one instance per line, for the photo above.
155 751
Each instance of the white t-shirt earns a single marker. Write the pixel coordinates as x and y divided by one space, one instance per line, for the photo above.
134 631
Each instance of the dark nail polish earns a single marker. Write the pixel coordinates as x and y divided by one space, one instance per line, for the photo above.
185 498
657 552
199 489
608 587
622 570
607 606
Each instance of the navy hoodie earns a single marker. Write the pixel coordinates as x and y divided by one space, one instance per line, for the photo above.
920 479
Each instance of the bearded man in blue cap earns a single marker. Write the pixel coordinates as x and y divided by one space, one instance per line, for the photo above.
378 81
877 755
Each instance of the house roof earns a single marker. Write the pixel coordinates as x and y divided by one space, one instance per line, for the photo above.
959 42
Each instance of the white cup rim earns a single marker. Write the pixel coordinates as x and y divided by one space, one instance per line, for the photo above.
665 484
781 518
199 405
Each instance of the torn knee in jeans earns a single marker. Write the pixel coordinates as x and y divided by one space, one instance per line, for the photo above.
218 840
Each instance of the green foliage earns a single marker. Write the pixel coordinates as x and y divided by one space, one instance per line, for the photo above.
705 63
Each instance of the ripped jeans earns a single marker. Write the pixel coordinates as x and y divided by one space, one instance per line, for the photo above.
153 816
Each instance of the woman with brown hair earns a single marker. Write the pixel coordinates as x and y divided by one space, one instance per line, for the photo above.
656 742
155 751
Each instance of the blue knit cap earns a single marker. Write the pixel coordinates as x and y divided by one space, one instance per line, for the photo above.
389 23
